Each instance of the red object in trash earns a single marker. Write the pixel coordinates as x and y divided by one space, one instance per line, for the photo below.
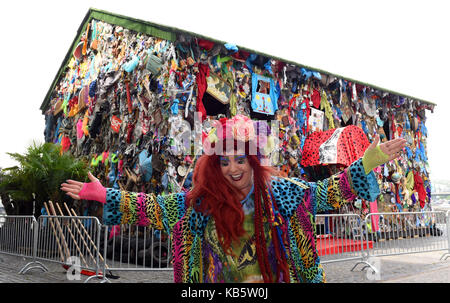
89 272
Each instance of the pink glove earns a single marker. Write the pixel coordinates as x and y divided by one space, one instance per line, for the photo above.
93 191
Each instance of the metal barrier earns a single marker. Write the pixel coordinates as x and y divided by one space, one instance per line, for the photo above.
408 232
389 234
70 241
18 237
136 248
447 254
339 237
84 242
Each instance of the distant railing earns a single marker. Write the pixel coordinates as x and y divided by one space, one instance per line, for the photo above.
440 194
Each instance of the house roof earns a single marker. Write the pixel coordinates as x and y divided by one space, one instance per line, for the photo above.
170 33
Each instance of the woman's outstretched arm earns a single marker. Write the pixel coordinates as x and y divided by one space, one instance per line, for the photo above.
123 207
357 180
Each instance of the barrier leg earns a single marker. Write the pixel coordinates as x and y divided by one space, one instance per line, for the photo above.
364 251
365 261
29 266
34 264
447 221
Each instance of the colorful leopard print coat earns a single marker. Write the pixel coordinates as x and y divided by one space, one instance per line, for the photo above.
197 257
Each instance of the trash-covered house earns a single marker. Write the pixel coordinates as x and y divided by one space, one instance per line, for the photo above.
127 88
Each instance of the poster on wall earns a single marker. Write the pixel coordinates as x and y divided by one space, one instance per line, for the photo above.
316 120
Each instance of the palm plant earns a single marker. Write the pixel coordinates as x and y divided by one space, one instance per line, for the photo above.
38 176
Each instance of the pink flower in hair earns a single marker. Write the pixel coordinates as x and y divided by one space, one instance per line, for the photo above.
243 128
223 128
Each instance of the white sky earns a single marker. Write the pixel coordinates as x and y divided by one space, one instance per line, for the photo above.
398 45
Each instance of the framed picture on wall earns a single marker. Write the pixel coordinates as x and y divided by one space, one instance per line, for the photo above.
218 88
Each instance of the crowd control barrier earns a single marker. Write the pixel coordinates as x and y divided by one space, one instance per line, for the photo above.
447 254
96 249
70 241
405 233
18 237
339 237
136 248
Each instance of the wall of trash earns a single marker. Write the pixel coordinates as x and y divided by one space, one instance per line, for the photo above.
124 96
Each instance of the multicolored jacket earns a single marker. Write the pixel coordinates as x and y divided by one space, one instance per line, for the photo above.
196 256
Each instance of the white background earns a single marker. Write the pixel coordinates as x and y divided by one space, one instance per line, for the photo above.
402 46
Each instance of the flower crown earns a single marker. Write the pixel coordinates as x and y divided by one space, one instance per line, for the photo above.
242 128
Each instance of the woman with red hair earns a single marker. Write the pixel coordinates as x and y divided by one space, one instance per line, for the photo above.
241 222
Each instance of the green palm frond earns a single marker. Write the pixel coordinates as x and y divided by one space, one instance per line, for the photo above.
40 171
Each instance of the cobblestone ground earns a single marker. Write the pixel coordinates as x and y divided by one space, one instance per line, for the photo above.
412 268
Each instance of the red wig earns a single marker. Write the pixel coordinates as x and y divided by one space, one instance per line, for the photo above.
220 199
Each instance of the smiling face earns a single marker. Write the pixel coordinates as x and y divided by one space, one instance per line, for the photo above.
237 170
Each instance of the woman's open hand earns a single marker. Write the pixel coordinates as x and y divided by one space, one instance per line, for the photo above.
376 155
391 148
86 191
